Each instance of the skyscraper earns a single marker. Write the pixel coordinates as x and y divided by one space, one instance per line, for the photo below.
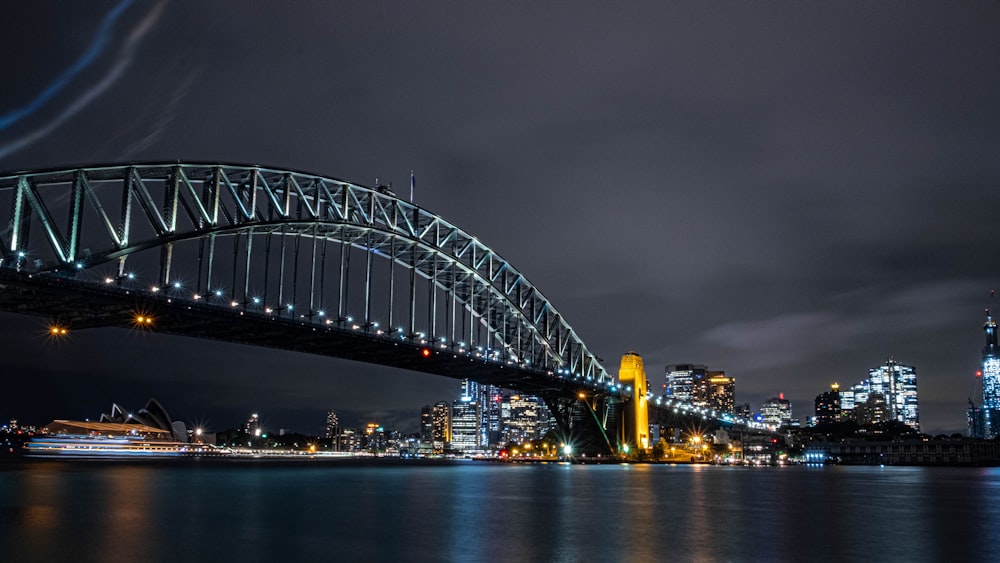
889 393
991 379
721 392
427 425
682 380
491 404
898 385
332 424
522 421
975 420
465 425
695 384
777 410
828 406
441 433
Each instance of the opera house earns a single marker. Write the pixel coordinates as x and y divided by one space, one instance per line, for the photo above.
148 432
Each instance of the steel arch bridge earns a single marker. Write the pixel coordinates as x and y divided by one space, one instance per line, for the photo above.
290 260
290 246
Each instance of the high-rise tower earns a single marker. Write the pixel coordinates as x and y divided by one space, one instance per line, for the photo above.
991 377
332 424
828 406
897 384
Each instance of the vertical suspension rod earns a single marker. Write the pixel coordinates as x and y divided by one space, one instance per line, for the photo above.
267 266
392 280
322 278
432 299
312 274
413 289
236 266
368 278
345 250
295 272
211 262
246 273
281 273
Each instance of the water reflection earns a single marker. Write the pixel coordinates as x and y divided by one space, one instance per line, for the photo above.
479 512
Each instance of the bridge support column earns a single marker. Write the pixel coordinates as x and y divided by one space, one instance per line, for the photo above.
635 427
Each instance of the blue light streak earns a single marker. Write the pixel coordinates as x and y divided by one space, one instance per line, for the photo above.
86 59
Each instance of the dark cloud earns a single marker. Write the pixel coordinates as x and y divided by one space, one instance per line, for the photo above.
787 191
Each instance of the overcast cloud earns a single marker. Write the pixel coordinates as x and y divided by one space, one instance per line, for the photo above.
788 191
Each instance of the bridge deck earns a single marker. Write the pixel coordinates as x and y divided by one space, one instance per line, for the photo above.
77 305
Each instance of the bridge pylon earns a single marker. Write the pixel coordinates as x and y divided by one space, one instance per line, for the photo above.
634 435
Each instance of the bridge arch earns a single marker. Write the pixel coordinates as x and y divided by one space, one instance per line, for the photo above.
287 244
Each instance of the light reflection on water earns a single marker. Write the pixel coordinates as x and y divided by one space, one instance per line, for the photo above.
61 511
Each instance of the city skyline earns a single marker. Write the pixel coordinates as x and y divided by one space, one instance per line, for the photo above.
792 204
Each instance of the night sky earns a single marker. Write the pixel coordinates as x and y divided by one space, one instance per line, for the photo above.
787 191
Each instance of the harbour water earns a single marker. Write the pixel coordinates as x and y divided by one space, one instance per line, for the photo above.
474 511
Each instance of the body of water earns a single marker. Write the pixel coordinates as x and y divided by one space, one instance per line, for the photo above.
189 511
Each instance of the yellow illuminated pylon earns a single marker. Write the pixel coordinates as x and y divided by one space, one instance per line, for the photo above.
633 373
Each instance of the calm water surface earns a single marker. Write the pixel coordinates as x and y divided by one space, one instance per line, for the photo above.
72 511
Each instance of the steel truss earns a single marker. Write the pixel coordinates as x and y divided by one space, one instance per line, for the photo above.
288 245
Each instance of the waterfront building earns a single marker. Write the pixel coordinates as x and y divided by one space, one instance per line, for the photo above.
721 392
777 410
828 406
376 439
897 383
153 414
426 424
465 425
491 416
521 422
875 410
332 424
846 401
915 452
991 379
682 379
695 384
441 427
976 421
889 393
148 431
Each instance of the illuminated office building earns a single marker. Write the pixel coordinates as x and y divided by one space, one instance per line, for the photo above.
828 406
332 424
889 393
521 421
721 392
991 380
490 420
898 385
426 424
696 385
682 380
976 421
777 410
465 425
441 427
